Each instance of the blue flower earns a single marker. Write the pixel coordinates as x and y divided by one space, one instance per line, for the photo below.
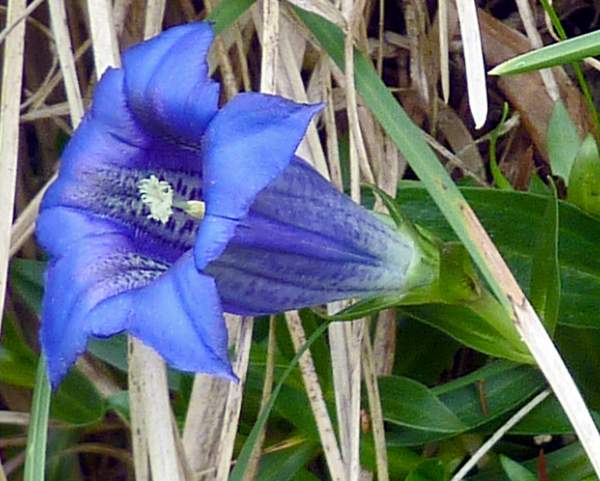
127 249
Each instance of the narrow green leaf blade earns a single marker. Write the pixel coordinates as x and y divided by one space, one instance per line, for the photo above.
561 53
515 471
504 385
409 403
584 181
37 434
562 140
544 291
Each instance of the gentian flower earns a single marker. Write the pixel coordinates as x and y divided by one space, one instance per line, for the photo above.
168 211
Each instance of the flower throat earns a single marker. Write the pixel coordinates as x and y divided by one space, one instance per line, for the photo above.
158 196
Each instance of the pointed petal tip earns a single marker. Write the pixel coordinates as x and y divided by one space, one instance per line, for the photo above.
226 372
231 376
56 369
247 145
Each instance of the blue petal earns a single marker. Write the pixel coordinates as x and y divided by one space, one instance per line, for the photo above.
180 316
247 145
101 166
305 243
167 82
59 228
76 283
103 288
110 137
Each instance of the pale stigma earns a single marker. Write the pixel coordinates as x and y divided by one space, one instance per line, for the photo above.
158 196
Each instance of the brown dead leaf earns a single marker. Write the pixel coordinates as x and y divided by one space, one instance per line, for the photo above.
526 92
517 162
460 139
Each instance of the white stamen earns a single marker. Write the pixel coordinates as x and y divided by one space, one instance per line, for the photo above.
158 196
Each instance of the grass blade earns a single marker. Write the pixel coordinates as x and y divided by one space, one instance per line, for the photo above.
561 53
35 461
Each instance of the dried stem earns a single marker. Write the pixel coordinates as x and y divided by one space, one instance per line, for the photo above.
12 79
314 392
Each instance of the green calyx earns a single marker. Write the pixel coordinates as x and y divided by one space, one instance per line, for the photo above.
442 274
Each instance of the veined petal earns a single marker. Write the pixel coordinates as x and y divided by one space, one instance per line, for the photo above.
304 243
247 145
167 82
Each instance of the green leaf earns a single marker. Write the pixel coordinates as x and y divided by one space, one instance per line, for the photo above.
566 464
409 403
284 465
62 465
37 434
547 418
561 53
426 360
288 406
504 385
225 13
584 181
515 471
580 349
499 179
468 327
119 402
537 185
562 140
17 361
77 401
392 207
27 281
544 292
429 470
401 461
112 351
510 218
